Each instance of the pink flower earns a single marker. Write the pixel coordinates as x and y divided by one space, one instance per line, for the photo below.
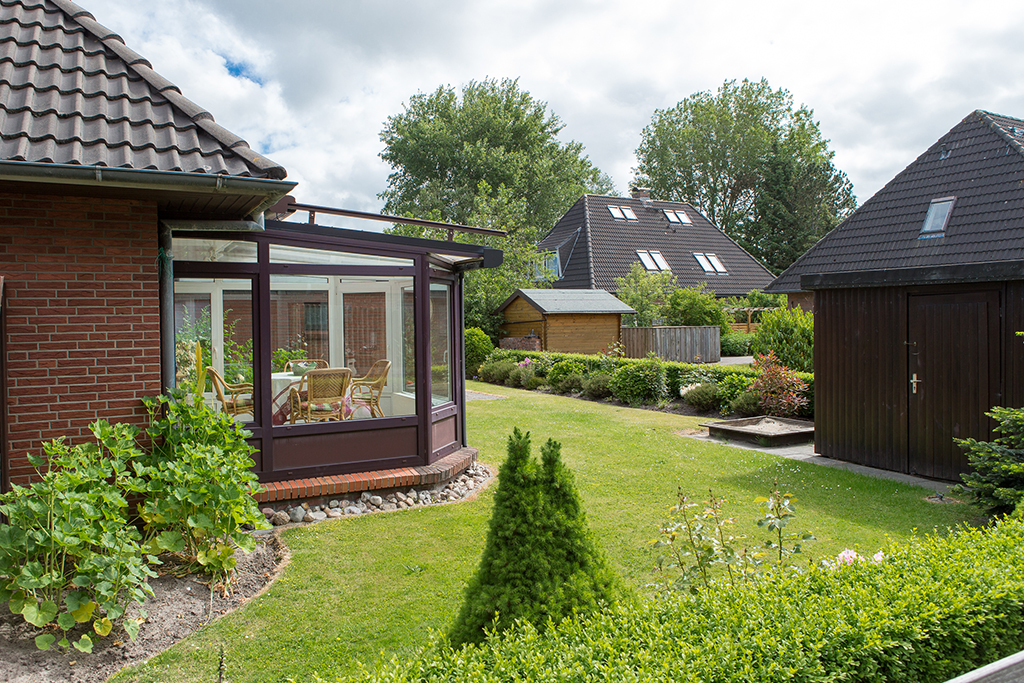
848 556
878 557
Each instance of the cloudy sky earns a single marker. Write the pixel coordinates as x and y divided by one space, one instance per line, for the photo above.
309 83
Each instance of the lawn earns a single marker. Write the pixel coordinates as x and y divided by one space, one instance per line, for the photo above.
360 589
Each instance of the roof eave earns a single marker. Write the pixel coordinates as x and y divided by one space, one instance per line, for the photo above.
992 271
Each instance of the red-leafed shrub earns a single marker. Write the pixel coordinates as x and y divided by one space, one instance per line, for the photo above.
779 389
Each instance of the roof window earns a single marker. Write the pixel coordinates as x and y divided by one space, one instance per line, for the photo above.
709 262
622 213
647 260
677 217
937 217
660 260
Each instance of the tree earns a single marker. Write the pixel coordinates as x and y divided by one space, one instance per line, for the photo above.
442 146
722 151
540 561
695 306
645 292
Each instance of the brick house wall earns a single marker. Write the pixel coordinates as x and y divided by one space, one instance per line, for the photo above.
83 317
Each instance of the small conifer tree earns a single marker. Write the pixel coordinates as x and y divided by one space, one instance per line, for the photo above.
540 561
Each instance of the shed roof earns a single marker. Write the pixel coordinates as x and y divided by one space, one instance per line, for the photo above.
71 92
595 247
980 162
555 301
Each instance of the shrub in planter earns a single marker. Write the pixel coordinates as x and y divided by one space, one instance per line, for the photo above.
563 369
598 385
745 404
996 479
478 347
640 383
703 397
496 372
570 384
789 332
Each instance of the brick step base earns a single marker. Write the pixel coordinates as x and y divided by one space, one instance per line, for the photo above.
443 470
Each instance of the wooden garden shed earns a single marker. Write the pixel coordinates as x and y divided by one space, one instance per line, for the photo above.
917 299
567 320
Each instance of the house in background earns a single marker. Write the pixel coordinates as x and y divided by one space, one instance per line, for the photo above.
133 230
917 297
566 320
600 238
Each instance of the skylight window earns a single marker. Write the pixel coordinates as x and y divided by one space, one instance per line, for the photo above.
683 218
628 212
645 258
937 218
671 216
616 213
704 263
660 260
715 262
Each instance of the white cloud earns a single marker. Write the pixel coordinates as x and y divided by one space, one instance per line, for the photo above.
885 79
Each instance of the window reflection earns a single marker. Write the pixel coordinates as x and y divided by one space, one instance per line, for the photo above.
440 343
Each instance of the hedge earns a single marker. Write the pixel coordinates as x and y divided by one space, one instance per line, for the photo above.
930 610
674 372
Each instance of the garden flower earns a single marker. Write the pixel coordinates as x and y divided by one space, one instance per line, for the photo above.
848 556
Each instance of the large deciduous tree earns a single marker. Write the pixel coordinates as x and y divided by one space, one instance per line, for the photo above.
443 145
752 163
645 292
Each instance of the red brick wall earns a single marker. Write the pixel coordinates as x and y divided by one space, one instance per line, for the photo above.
83 316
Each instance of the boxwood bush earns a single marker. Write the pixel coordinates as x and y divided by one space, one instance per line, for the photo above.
640 383
930 610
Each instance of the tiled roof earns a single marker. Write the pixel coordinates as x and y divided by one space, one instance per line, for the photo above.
981 163
595 247
570 301
71 92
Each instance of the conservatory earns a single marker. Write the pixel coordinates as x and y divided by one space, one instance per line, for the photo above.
340 350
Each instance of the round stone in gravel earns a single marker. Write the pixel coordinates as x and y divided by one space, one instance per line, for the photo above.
334 512
353 510
376 501
318 516
296 514
268 512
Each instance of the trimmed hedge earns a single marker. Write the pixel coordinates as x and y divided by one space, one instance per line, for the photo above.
674 372
932 609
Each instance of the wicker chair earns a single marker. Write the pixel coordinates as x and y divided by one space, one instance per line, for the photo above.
235 399
321 395
314 363
369 387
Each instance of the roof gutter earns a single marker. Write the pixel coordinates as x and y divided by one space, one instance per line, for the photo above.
146 179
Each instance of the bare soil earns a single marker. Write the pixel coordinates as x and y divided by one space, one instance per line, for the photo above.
179 607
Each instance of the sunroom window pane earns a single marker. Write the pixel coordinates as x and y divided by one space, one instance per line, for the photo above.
440 344
280 253
213 251
214 329
348 322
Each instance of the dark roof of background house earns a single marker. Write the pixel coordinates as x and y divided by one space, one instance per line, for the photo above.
569 301
595 248
72 93
980 161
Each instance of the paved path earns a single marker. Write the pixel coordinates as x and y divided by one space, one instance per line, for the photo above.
805 453
735 360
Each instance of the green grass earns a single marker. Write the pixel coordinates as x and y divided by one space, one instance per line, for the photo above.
360 589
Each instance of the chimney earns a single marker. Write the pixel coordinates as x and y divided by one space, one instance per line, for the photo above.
640 193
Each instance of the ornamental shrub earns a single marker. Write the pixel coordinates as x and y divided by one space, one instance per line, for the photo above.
478 347
703 397
736 344
930 609
563 369
571 384
778 389
598 385
789 332
694 306
732 385
540 562
746 404
640 383
996 479
496 372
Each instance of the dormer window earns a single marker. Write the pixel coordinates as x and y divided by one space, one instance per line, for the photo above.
937 217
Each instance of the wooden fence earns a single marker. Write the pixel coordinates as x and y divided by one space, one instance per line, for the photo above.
683 344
